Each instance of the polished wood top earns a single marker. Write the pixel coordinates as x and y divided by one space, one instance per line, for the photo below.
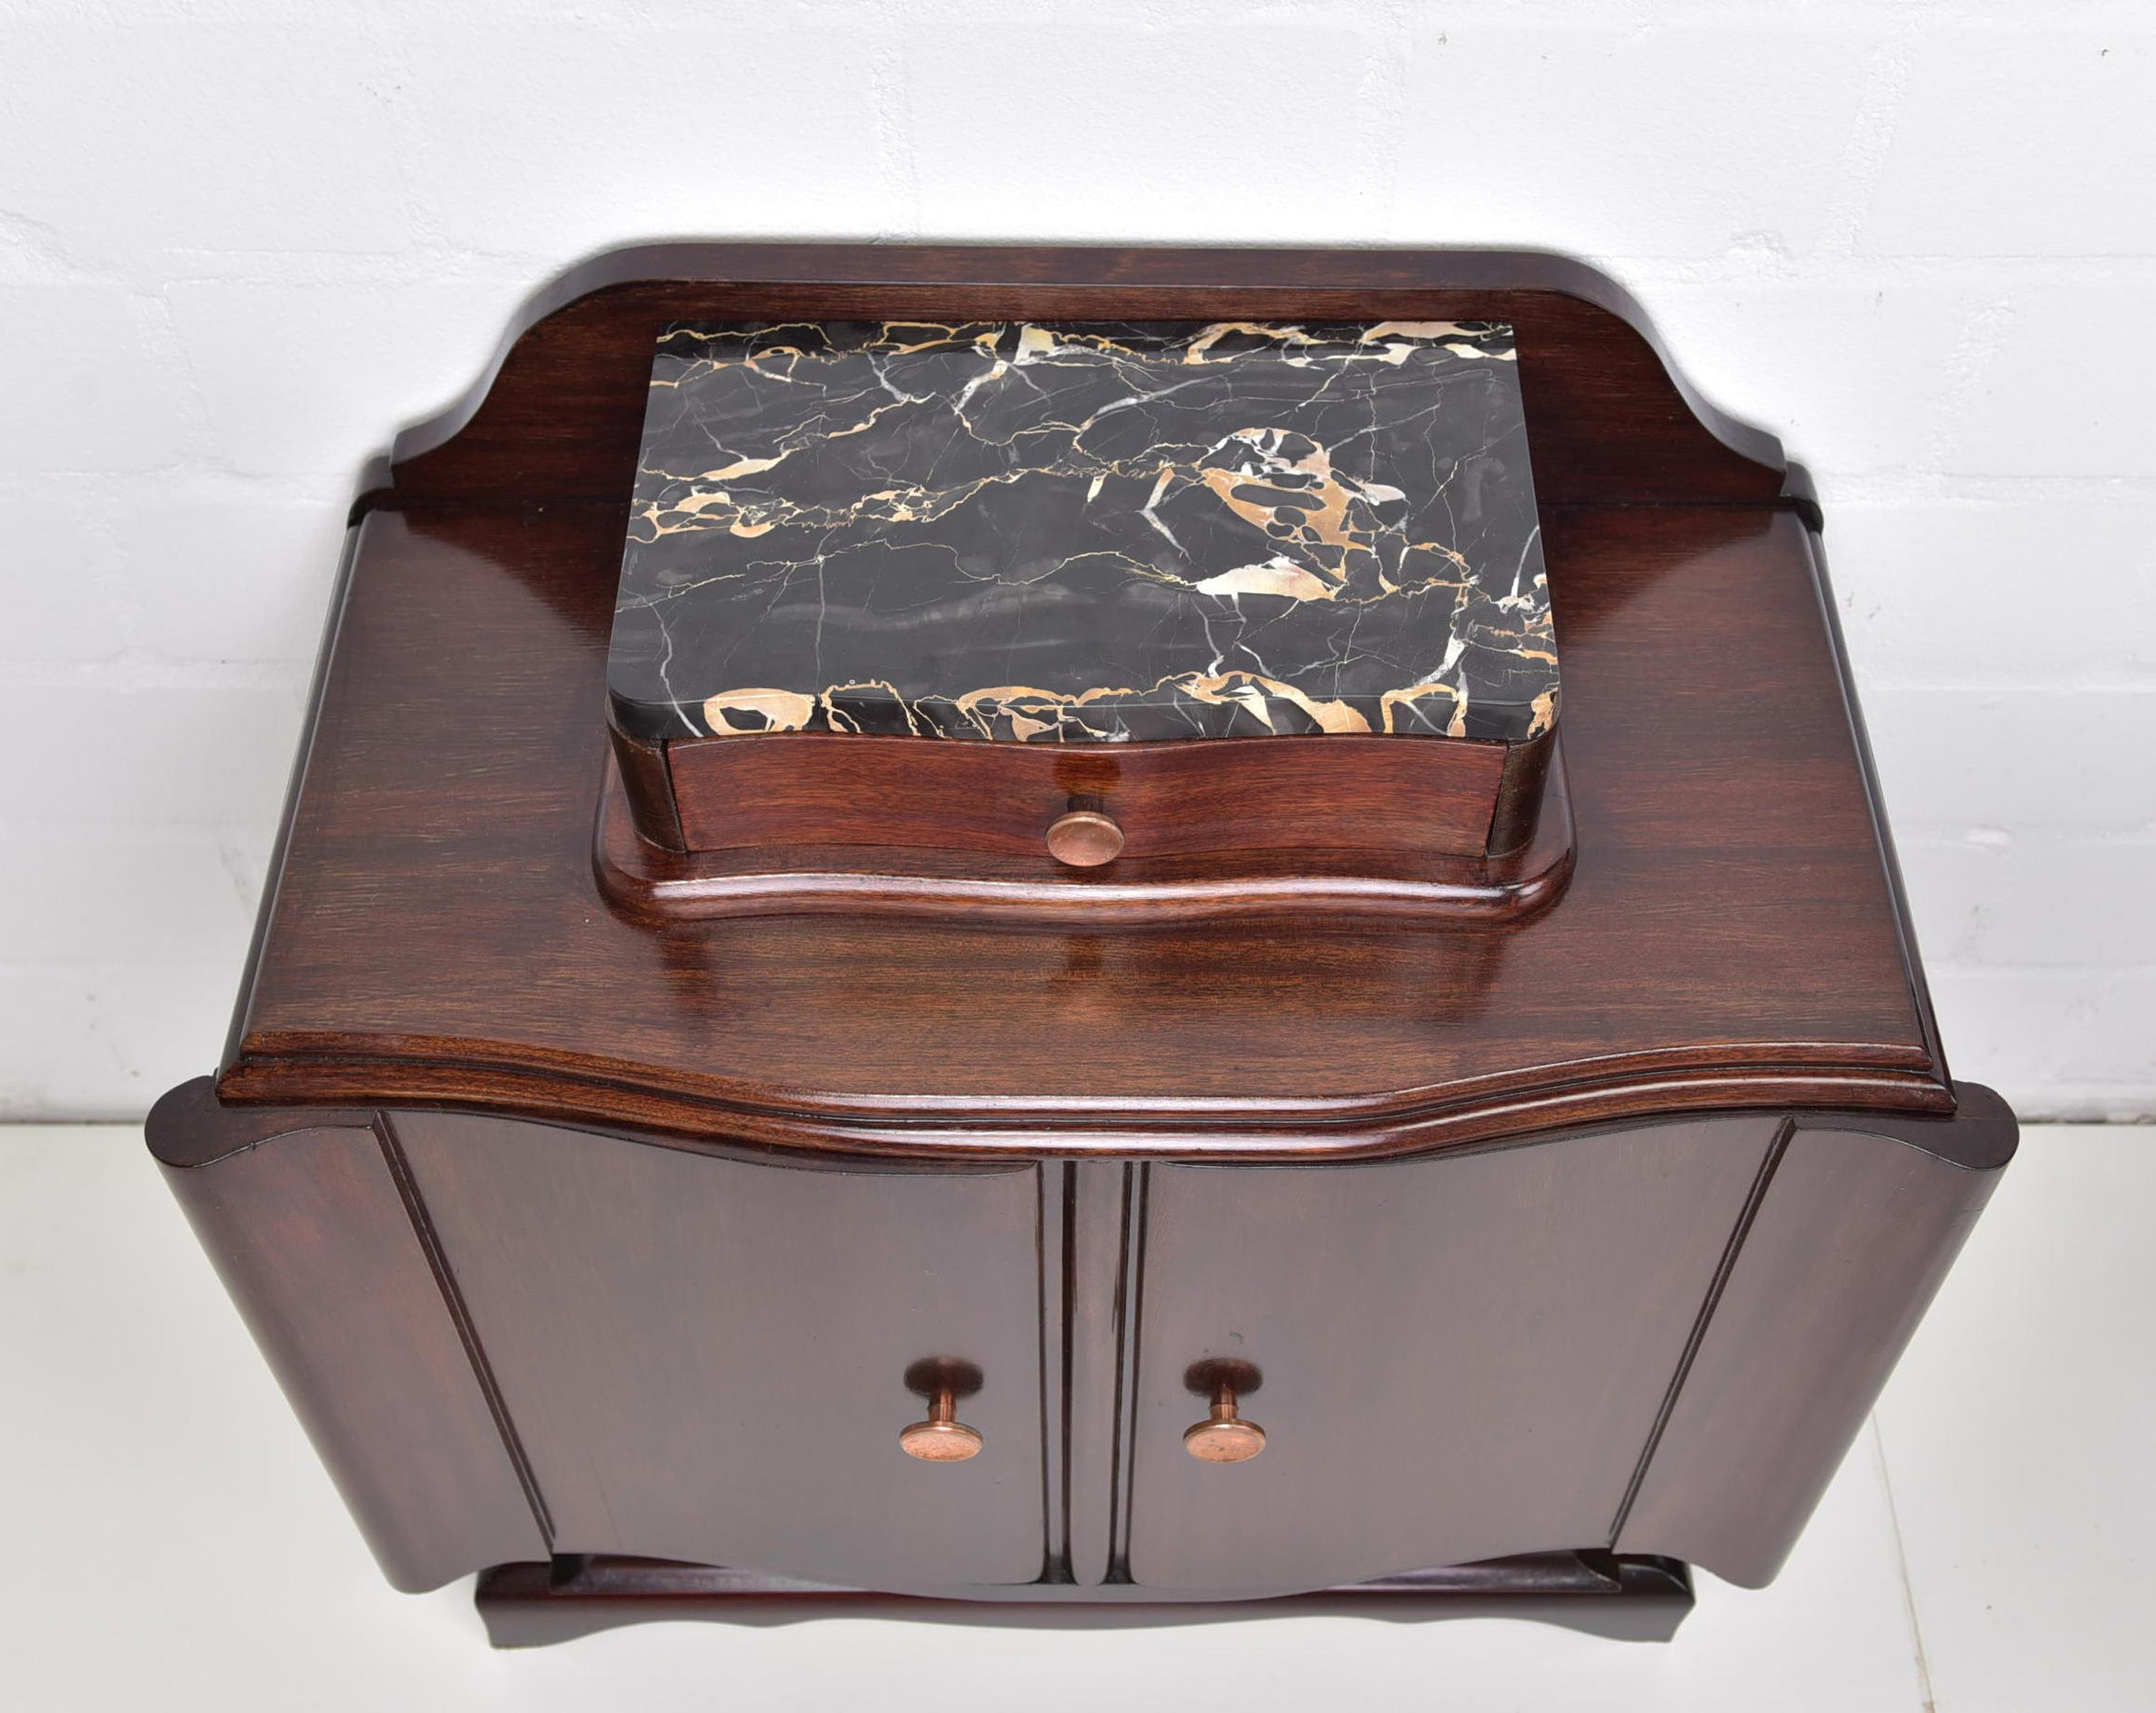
1730 936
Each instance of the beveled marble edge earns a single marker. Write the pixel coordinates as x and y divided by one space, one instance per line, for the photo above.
1017 713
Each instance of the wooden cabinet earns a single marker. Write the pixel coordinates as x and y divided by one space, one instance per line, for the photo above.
707 1355
613 1146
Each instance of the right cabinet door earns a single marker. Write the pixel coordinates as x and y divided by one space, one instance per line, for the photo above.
1458 1357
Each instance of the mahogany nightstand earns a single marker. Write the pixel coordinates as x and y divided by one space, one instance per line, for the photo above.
1028 927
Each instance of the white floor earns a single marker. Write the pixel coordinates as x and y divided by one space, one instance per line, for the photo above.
167 1542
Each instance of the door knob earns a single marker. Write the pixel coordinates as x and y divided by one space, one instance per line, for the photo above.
1223 1436
1085 836
942 1438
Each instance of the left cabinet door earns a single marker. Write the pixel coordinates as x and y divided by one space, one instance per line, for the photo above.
706 1357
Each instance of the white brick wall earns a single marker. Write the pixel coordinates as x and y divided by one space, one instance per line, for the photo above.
240 241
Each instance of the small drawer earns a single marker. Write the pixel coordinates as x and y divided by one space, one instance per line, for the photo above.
1409 795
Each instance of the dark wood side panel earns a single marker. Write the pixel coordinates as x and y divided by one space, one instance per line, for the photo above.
707 1357
1523 793
1848 1246
1462 1358
648 789
1416 794
312 1238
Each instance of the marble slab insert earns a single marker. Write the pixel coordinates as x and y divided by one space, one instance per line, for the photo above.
1084 533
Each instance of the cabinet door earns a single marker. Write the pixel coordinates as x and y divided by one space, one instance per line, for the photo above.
705 1358
1460 1357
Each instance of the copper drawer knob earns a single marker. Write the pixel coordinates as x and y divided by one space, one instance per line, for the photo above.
1084 836
942 1438
1223 1436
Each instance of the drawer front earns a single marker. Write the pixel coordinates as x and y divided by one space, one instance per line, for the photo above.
1410 795
1457 1358
707 1358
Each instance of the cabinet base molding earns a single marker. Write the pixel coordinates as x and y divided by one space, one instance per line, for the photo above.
1629 1598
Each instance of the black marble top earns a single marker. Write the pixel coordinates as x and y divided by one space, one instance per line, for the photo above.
1084 532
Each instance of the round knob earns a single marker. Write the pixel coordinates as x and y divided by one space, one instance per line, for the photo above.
1084 838
942 1438
1223 1436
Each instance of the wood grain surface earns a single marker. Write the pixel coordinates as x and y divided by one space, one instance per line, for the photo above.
1462 1356
506 1336
557 416
1851 1240
707 1358
313 1236
1219 796
1729 936
1032 889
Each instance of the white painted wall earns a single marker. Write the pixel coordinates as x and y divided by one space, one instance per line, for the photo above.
240 241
